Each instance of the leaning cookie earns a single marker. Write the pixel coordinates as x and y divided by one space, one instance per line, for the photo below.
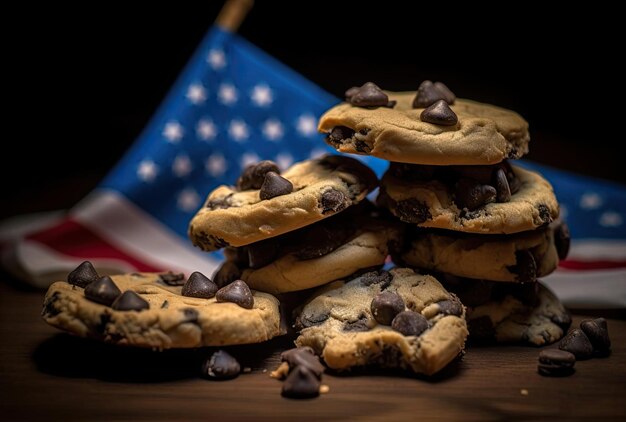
314 255
463 132
520 257
395 319
265 203
147 310
510 312
467 205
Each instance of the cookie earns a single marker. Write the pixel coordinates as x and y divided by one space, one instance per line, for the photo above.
341 326
483 134
320 188
314 255
520 257
510 312
164 318
433 203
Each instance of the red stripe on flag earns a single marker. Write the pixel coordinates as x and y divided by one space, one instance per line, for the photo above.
73 239
591 265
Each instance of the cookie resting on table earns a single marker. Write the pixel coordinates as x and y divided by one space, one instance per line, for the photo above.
520 257
466 205
465 132
148 310
265 203
395 319
328 250
510 312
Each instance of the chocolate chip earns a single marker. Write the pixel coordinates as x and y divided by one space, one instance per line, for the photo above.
385 306
254 175
333 200
544 214
413 211
227 273
525 267
301 383
350 92
190 315
304 321
556 363
429 93
221 366
360 325
577 342
409 323
374 277
481 328
440 114
339 134
470 194
562 240
448 95
172 279
503 191
199 285
368 95
103 291
598 334
274 185
49 306
262 253
236 292
450 307
165 304
303 356
82 275
130 301
321 241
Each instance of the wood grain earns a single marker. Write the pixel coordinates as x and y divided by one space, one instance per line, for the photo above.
45 374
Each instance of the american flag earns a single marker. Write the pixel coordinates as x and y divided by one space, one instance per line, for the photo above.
234 105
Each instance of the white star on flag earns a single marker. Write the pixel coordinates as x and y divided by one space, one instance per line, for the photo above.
610 219
206 129
182 166
248 158
306 125
216 59
590 201
216 164
262 95
238 130
173 131
273 130
188 200
147 170
227 94
284 160
196 94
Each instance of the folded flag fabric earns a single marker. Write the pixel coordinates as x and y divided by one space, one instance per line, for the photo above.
233 105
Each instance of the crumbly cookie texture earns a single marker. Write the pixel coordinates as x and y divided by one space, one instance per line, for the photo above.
321 187
431 204
338 324
521 257
484 134
172 321
510 320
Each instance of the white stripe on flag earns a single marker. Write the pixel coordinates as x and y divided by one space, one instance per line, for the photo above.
131 229
594 289
597 249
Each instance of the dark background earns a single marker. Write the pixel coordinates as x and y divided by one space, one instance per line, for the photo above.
87 79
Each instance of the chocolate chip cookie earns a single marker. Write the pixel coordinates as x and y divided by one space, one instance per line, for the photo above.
465 132
468 204
328 250
520 257
349 324
148 310
265 204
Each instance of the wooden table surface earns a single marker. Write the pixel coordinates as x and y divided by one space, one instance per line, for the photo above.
48 375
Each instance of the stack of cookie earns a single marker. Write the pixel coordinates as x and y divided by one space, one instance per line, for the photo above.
485 228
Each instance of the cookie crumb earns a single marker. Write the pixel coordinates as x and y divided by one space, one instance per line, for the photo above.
246 370
324 389
523 392
280 372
